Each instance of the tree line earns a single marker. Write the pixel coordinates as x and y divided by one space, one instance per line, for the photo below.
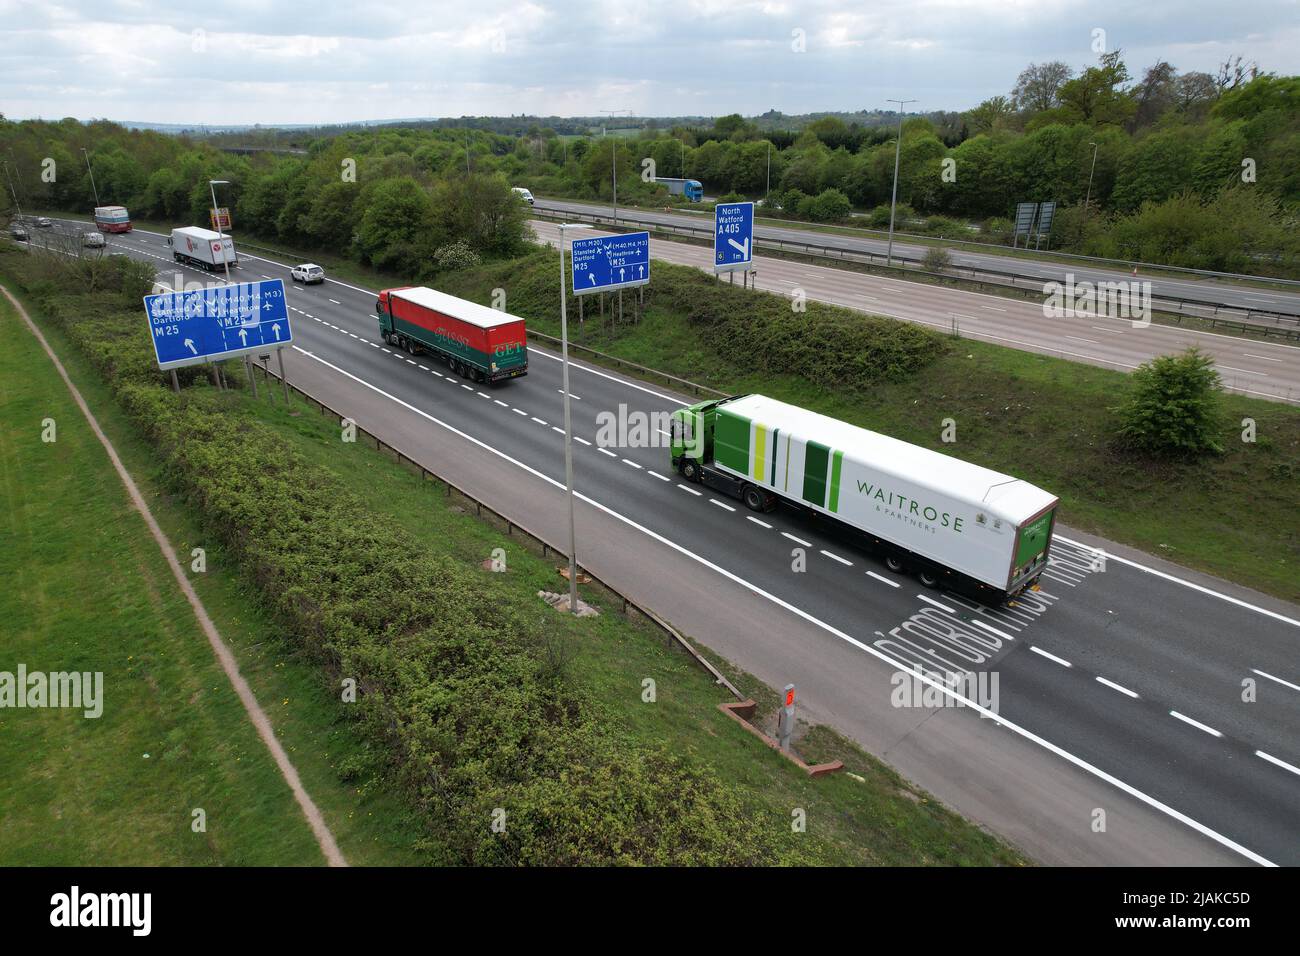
1187 169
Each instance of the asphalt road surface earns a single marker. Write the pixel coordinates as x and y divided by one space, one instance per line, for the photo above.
1113 728
1234 295
1250 366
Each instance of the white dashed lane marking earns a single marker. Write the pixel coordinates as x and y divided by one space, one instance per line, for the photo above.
1195 723
1113 686
1051 657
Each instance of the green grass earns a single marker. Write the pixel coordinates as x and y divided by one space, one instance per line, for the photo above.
87 588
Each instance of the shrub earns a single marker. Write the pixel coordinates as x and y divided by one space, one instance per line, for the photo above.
456 255
1173 408
936 259
879 217
830 205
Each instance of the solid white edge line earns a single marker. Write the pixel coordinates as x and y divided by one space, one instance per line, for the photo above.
1189 584
1119 687
1195 723
828 628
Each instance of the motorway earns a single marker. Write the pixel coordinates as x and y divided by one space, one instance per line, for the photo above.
1250 366
1225 292
1118 733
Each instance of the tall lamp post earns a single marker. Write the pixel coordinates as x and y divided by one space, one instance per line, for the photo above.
613 159
221 238
893 201
568 422
1091 169
92 174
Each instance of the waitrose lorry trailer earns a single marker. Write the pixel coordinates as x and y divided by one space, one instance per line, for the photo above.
954 524
476 342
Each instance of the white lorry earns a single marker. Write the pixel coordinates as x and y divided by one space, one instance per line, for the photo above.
955 524
203 248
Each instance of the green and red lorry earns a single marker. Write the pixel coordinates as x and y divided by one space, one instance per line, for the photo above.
954 524
476 342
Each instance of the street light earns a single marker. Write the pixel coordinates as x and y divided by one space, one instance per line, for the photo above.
893 201
1090 171
613 159
92 175
221 239
568 426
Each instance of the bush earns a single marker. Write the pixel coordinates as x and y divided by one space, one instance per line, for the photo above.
946 227
879 217
998 229
829 205
936 259
1174 406
456 255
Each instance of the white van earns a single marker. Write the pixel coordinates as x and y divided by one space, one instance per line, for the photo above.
523 194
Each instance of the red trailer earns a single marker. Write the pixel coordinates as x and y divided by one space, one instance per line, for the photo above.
476 342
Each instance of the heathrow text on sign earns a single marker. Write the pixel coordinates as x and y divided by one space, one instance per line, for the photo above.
204 325
733 236
603 263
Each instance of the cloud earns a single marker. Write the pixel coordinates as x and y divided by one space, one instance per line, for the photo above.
263 61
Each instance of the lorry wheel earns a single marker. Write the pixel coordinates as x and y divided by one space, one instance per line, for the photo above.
894 563
753 498
928 579
690 470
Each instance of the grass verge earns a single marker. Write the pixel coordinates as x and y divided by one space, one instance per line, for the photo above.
89 590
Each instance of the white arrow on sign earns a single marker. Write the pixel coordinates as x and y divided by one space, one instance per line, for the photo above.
189 344
621 274
640 271
276 329
592 277
742 246
243 336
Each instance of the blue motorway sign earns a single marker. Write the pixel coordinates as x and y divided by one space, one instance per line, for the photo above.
603 263
733 236
211 324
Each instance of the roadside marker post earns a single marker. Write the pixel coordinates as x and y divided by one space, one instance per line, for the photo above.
785 719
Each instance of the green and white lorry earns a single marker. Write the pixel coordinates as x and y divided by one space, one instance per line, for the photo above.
954 524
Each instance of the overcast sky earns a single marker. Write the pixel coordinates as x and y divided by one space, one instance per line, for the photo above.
246 61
